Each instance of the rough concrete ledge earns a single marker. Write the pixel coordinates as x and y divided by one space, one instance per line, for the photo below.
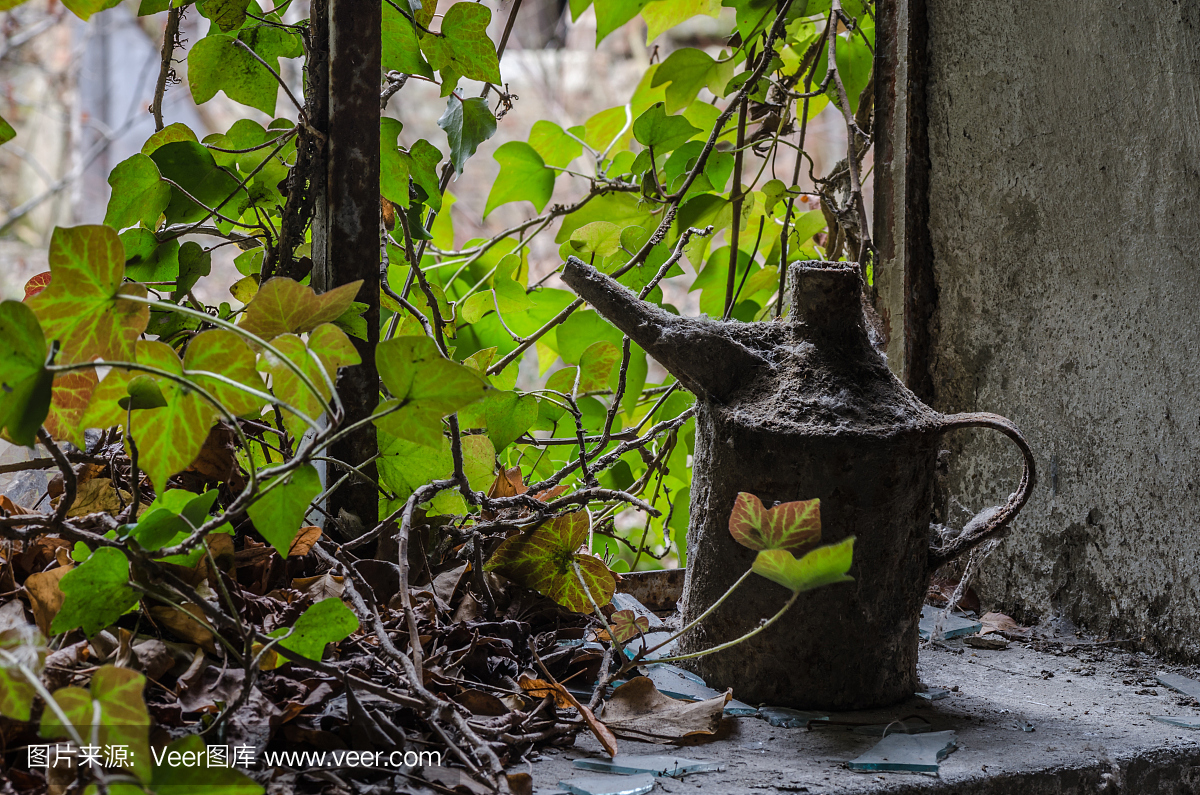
1091 708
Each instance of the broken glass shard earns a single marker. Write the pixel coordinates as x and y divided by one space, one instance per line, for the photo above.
787 718
952 626
1189 687
934 695
678 683
921 753
740 709
655 765
1185 721
601 784
912 725
649 641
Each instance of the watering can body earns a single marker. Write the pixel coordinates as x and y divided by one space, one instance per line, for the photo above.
799 409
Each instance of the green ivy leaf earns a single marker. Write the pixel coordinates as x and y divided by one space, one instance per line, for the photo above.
25 383
823 566
656 129
192 167
542 559
279 513
85 8
663 15
327 621
24 645
687 70
505 415
83 308
284 306
147 260
176 131
420 163
401 49
612 14
468 123
789 525
580 331
553 144
226 14
405 466
218 63
426 387
600 238
139 195
7 133
113 712
200 780
463 47
172 515
523 177
97 593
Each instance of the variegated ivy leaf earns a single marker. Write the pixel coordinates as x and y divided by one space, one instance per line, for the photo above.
170 433
790 525
626 625
112 710
823 566
543 560
84 307
23 645
284 306
327 348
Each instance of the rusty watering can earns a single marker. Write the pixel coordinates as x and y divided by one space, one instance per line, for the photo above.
797 409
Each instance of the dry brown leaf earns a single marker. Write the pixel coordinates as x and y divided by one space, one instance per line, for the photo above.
324 586
638 711
304 541
217 460
1002 624
520 783
45 597
508 483
10 507
446 583
97 495
193 628
481 703
540 688
991 642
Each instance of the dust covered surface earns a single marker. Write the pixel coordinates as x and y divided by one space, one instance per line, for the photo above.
1092 732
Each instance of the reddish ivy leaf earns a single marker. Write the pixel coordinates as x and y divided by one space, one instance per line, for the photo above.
69 399
83 307
790 525
626 626
284 306
37 284
541 559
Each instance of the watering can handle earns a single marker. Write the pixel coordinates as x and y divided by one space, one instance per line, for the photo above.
996 519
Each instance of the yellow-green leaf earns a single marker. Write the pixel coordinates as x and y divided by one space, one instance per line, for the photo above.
823 566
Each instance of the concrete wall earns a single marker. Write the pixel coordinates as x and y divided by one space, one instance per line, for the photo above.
1064 214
